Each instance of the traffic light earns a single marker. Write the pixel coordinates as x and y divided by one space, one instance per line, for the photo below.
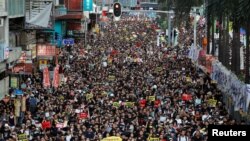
117 10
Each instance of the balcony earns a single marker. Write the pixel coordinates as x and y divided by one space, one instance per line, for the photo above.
60 11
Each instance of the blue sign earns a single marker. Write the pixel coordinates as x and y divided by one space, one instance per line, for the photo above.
18 92
87 5
68 41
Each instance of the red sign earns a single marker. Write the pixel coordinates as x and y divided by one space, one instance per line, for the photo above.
46 79
186 97
83 115
143 103
56 77
46 124
46 50
157 103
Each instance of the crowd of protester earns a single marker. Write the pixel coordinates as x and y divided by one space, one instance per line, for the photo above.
121 84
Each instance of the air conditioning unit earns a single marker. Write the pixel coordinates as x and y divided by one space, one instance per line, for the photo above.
1 22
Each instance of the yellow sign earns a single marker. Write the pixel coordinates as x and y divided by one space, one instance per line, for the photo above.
111 77
113 138
129 104
43 62
212 102
13 82
151 98
153 139
158 69
213 82
22 137
89 96
188 79
116 104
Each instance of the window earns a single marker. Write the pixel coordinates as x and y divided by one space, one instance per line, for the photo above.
61 2
1 22
2 30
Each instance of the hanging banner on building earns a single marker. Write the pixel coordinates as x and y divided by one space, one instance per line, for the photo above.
56 77
40 19
13 82
88 5
46 79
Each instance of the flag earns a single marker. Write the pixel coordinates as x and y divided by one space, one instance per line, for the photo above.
46 124
186 97
143 103
56 77
46 78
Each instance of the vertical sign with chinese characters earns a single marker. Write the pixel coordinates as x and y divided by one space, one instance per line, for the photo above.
87 5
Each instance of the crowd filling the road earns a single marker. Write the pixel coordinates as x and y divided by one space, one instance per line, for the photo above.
123 85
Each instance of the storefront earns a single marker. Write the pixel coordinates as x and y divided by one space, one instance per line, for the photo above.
21 69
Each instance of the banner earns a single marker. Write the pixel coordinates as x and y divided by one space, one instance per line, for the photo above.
230 84
83 115
116 104
42 18
129 104
22 137
46 77
142 103
23 104
157 103
46 124
56 77
212 103
248 96
111 77
13 82
186 97
17 105
89 96
88 5
113 138
151 98
153 139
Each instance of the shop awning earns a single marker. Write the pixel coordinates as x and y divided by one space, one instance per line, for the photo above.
73 16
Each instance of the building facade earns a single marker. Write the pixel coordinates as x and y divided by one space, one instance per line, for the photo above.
4 43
